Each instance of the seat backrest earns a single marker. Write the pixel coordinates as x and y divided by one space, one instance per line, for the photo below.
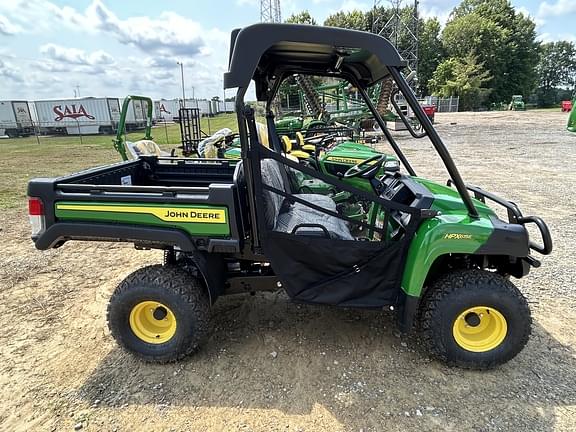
273 177
144 148
300 139
208 147
286 144
262 132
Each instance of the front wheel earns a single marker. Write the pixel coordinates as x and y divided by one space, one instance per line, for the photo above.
474 319
159 313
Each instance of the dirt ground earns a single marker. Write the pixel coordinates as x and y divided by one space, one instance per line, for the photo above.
271 365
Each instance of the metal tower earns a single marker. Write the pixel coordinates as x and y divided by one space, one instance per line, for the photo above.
400 28
270 11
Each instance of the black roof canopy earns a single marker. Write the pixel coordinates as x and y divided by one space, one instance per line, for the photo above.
264 51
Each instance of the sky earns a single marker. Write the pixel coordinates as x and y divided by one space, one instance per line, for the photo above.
52 48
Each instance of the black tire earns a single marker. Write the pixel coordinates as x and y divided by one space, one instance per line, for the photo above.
182 294
453 294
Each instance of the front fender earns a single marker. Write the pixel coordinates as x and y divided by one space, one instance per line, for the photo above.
441 235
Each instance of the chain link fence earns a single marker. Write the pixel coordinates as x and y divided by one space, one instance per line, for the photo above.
443 104
84 132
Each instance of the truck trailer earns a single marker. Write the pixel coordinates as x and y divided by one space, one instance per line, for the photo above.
136 115
86 116
15 119
166 109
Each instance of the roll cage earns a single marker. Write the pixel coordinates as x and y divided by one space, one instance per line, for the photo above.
269 53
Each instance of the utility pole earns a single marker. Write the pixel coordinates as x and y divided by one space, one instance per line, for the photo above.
182 76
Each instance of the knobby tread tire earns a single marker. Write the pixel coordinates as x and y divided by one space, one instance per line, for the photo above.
467 287
184 294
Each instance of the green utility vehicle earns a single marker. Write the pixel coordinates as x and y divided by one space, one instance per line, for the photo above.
430 252
571 126
517 104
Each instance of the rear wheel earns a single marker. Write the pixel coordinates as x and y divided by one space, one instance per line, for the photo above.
160 313
474 319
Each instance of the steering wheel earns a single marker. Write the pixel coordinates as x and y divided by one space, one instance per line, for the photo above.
366 168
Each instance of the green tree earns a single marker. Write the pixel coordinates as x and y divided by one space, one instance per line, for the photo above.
355 20
303 17
430 53
556 68
501 38
462 77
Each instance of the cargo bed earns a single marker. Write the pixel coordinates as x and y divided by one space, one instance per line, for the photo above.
153 202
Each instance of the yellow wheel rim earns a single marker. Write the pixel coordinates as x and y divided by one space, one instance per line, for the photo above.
152 322
480 329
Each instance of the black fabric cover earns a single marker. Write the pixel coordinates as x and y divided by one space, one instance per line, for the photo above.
337 272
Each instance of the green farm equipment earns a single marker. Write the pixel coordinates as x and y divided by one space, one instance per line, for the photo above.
517 104
289 125
335 102
435 253
143 147
571 126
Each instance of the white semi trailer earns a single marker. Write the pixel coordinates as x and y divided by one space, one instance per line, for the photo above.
15 119
84 116
136 115
166 109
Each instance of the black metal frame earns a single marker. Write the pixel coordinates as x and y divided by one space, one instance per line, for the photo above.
252 152
190 133
515 216
267 53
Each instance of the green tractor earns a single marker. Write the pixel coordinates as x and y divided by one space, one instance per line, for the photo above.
517 104
289 125
435 254
324 152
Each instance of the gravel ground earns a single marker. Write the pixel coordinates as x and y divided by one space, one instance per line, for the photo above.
271 365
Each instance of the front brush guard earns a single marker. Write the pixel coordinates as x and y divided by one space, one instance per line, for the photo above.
515 216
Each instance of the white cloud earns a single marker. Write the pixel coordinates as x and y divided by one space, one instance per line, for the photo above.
7 28
34 16
561 7
537 20
76 56
170 33
152 47
549 37
435 12
167 34
351 5
9 71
